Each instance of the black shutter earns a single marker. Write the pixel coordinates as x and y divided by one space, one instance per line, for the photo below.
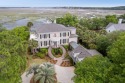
60 41
44 36
49 42
60 34
49 35
41 43
40 36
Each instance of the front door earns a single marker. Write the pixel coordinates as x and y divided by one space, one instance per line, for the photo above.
55 43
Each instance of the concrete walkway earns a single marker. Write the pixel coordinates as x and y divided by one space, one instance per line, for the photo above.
51 55
60 59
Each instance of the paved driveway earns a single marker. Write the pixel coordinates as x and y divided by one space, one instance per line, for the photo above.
63 74
26 79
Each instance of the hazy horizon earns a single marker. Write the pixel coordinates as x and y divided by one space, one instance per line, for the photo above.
62 3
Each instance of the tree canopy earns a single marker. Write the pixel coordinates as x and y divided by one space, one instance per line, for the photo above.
67 20
13 47
108 69
111 19
93 70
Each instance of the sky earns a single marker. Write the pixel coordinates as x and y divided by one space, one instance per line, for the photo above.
61 3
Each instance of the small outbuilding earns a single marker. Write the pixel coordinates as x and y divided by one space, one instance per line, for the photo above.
78 52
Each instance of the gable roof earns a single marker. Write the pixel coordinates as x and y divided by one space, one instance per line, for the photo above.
119 26
109 25
82 52
116 26
52 27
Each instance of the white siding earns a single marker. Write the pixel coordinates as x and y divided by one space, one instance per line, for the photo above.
75 39
52 37
73 31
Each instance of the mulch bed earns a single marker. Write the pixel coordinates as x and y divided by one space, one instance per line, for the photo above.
50 60
66 64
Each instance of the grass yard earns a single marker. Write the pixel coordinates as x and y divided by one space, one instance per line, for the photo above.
37 61
31 61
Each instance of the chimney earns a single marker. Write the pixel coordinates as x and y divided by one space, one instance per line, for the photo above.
120 21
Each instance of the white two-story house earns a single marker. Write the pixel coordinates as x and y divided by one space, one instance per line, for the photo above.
53 35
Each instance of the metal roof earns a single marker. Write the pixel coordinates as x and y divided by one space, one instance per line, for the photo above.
73 44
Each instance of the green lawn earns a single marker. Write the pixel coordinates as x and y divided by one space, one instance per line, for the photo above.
32 61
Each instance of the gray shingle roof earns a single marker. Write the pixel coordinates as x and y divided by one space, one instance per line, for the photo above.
116 26
119 26
71 27
83 52
45 28
94 52
110 24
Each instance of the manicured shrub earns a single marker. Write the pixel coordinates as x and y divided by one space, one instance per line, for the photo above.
39 54
44 50
66 47
60 51
56 51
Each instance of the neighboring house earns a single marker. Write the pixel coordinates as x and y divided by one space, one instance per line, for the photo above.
53 35
115 27
78 52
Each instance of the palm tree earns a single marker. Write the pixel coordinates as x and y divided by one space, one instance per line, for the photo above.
33 69
29 24
44 73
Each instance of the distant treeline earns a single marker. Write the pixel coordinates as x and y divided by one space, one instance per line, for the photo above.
101 8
